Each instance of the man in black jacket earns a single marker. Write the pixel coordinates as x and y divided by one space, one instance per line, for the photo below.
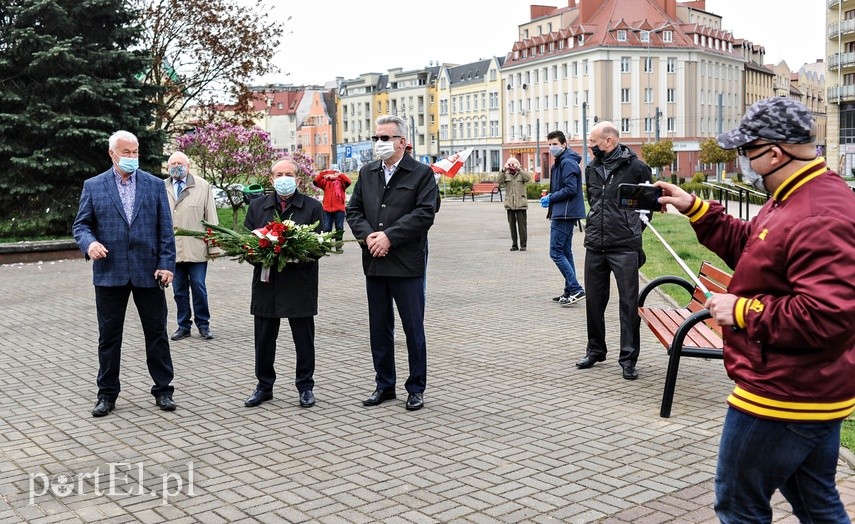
613 245
391 210
291 293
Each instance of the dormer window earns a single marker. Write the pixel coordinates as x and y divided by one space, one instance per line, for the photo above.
621 35
644 36
581 39
667 36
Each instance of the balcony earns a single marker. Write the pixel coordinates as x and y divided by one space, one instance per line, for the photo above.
843 27
841 60
845 93
832 3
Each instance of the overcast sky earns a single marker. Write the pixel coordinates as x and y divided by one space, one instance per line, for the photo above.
348 38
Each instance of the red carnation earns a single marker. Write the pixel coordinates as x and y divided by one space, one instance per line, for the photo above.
263 243
277 249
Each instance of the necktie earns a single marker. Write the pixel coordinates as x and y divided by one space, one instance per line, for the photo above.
179 187
283 205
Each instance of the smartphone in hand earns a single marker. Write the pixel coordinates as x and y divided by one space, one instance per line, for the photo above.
639 196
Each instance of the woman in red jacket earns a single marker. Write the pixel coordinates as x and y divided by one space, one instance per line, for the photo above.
333 185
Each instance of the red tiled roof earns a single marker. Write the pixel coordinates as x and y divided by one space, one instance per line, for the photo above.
634 16
289 101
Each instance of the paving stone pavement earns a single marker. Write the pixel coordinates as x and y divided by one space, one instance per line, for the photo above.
511 431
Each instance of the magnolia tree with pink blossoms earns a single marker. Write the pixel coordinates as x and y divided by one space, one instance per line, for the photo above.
225 154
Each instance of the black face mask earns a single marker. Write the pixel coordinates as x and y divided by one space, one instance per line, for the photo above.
598 153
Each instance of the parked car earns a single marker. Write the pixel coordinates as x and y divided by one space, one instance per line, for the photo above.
221 197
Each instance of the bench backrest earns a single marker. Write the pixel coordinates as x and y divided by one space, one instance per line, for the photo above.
716 280
484 186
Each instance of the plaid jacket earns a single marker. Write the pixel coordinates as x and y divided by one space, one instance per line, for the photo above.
136 249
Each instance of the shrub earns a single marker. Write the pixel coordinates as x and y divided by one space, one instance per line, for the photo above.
699 178
533 191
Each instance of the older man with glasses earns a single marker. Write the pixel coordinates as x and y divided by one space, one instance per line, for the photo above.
790 342
391 210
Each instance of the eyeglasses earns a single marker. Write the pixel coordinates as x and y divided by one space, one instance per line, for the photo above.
384 138
743 150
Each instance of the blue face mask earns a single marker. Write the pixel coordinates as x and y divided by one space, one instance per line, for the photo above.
285 185
178 172
128 164
555 150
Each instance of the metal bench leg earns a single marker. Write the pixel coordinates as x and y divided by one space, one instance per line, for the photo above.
670 381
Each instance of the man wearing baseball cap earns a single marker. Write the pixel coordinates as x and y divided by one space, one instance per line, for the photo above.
789 342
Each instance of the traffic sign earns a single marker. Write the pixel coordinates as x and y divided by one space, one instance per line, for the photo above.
348 151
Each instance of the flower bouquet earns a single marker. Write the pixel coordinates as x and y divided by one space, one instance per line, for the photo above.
274 245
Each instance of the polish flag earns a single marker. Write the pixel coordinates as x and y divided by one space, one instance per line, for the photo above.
451 165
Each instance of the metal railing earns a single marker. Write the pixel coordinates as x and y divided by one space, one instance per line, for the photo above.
841 92
740 195
841 28
841 60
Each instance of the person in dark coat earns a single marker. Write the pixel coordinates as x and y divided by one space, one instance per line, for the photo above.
291 293
612 246
391 210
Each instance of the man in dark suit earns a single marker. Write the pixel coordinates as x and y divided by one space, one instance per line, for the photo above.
291 293
124 225
391 210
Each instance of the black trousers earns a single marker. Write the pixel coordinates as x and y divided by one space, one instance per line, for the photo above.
624 266
303 334
408 294
518 218
111 304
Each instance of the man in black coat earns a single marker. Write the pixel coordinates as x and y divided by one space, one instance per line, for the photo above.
391 210
291 293
613 245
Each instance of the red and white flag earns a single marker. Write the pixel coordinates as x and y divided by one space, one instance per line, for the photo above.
451 165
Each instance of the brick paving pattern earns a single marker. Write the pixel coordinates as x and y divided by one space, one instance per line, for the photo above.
511 430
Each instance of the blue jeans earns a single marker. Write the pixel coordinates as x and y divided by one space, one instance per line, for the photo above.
333 217
190 277
561 252
758 456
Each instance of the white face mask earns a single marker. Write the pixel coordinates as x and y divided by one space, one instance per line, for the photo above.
750 176
285 185
384 150
555 150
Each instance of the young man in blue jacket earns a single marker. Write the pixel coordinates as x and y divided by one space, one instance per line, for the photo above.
566 206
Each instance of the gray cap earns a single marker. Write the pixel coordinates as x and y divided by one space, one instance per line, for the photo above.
777 119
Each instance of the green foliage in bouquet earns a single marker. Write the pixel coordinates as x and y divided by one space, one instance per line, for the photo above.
275 245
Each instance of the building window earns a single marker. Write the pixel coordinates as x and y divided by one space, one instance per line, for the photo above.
576 69
648 95
672 65
581 39
624 64
624 95
563 70
492 75
671 95
624 125
546 74
671 124
536 76
585 67
648 125
648 64
644 36
554 73
667 36
555 101
621 35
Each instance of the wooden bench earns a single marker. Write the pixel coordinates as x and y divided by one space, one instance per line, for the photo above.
687 331
483 188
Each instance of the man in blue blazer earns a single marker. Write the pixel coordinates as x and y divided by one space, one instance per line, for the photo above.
124 225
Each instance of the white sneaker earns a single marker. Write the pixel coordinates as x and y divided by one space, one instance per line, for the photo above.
572 299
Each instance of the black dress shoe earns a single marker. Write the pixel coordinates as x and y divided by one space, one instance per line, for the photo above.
379 396
180 333
630 373
514 248
165 402
205 332
415 401
307 399
257 398
589 361
103 407
522 248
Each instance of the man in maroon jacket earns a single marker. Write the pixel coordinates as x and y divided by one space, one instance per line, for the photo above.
790 338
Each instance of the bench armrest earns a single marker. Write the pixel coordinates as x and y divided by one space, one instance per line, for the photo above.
668 279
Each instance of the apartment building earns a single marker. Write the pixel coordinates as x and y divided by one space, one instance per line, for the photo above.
758 80
657 69
357 105
470 113
840 82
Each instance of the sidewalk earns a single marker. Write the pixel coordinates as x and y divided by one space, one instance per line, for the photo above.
511 430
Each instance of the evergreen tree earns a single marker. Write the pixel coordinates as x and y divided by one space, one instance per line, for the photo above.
69 78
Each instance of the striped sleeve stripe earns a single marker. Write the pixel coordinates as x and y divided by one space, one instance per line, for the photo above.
740 311
795 411
697 209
